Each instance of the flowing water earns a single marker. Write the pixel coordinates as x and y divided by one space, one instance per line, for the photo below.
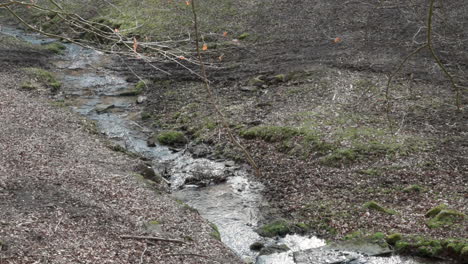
233 205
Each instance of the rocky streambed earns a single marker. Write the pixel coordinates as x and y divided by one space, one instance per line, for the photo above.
223 192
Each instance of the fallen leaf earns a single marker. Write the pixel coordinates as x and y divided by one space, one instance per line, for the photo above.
135 44
205 47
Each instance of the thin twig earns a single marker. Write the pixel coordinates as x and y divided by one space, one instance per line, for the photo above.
143 254
214 99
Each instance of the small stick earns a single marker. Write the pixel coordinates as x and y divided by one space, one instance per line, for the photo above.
152 238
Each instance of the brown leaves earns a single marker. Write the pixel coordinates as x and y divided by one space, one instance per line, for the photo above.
135 44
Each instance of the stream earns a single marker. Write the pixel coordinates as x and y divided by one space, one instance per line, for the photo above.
233 206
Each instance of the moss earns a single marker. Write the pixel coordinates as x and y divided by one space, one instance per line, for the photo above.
45 78
353 235
392 239
434 211
140 85
456 247
371 172
171 138
154 222
280 77
55 47
378 236
137 90
275 228
270 133
29 86
445 217
377 207
302 227
413 189
339 157
464 252
402 246
257 81
243 36
215 233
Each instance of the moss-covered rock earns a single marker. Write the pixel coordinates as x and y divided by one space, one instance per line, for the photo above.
55 47
435 210
402 246
171 138
445 217
377 207
392 239
243 36
274 249
276 228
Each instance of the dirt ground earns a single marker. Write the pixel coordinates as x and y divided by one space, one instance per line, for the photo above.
66 197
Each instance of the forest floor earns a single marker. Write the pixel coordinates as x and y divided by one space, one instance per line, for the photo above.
312 111
304 89
67 197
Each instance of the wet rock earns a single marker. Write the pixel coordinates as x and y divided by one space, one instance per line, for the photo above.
324 255
362 247
274 249
199 151
278 227
148 173
171 138
230 163
257 246
151 142
203 179
103 108
141 99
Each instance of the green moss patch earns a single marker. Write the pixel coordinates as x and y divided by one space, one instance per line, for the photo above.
446 217
55 47
44 78
275 228
377 207
434 211
171 138
215 233
426 247
392 239
270 133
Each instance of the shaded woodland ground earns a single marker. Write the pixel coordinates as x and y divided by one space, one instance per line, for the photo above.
312 109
